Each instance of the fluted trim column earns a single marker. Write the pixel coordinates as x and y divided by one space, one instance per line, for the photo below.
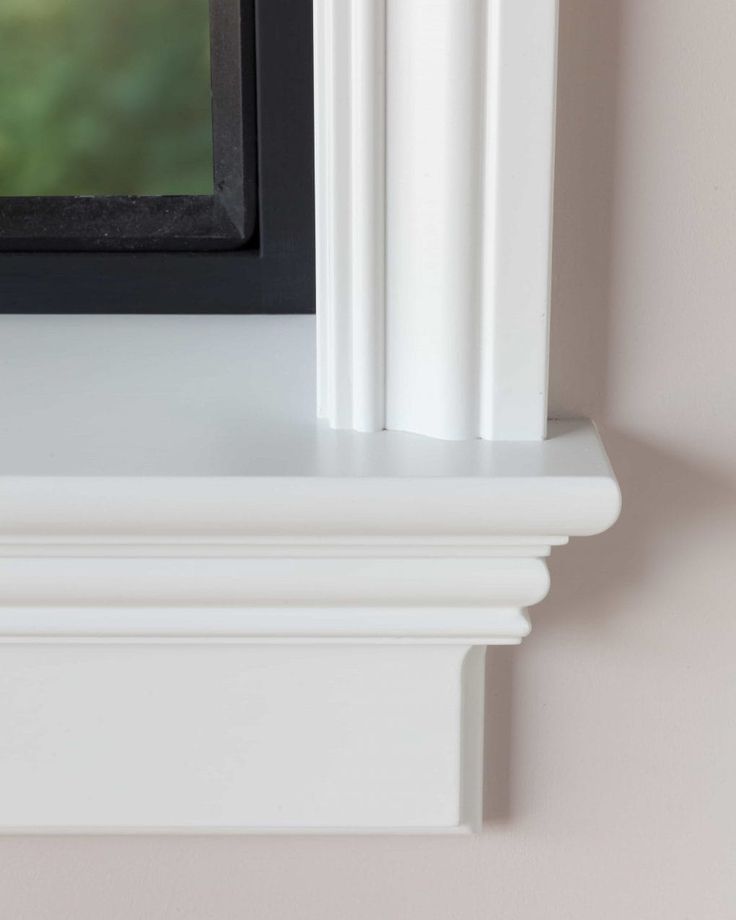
435 125
350 93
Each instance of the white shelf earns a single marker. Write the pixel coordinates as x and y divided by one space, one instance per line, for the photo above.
218 615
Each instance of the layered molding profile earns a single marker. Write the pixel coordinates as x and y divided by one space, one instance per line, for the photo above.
220 614
257 653
391 537
435 141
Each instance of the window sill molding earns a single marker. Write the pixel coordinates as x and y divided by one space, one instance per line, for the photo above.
386 536
298 647
247 621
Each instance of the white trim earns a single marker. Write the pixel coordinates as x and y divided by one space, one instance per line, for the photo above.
517 247
218 615
265 654
436 54
320 584
471 626
349 38
416 540
468 144
196 736
330 550
399 489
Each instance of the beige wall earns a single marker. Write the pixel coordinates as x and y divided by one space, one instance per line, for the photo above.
612 761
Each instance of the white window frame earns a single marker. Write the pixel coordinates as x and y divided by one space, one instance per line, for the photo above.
435 127
289 621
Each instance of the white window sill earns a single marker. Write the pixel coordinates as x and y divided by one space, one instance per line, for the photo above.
215 613
153 395
246 620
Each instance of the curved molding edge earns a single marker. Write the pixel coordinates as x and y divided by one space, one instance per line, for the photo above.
332 551
394 492
275 655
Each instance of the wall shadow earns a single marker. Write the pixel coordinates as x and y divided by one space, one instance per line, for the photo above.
667 495
664 495
590 48
587 114
498 742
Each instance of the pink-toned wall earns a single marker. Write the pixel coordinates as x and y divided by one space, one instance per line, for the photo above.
612 732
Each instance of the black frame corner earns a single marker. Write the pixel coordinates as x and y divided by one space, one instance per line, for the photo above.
249 248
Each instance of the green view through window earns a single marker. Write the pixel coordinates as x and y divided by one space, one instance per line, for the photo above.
105 97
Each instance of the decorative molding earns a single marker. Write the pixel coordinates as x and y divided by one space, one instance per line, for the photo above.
399 489
284 630
455 318
151 736
266 654
380 537
350 74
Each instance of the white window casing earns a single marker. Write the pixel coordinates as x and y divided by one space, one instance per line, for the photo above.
221 614
435 147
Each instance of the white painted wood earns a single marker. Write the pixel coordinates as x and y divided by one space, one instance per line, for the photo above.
521 71
349 38
318 581
368 83
436 60
468 143
131 737
413 538
478 626
218 614
161 396
335 487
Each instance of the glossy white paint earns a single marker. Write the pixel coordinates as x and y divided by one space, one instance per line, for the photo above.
388 537
349 38
520 97
218 614
467 138
436 62
279 628
261 583
222 737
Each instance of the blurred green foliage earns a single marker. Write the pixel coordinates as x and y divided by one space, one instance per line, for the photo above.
105 97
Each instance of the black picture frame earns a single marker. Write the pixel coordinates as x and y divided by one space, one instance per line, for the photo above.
249 248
